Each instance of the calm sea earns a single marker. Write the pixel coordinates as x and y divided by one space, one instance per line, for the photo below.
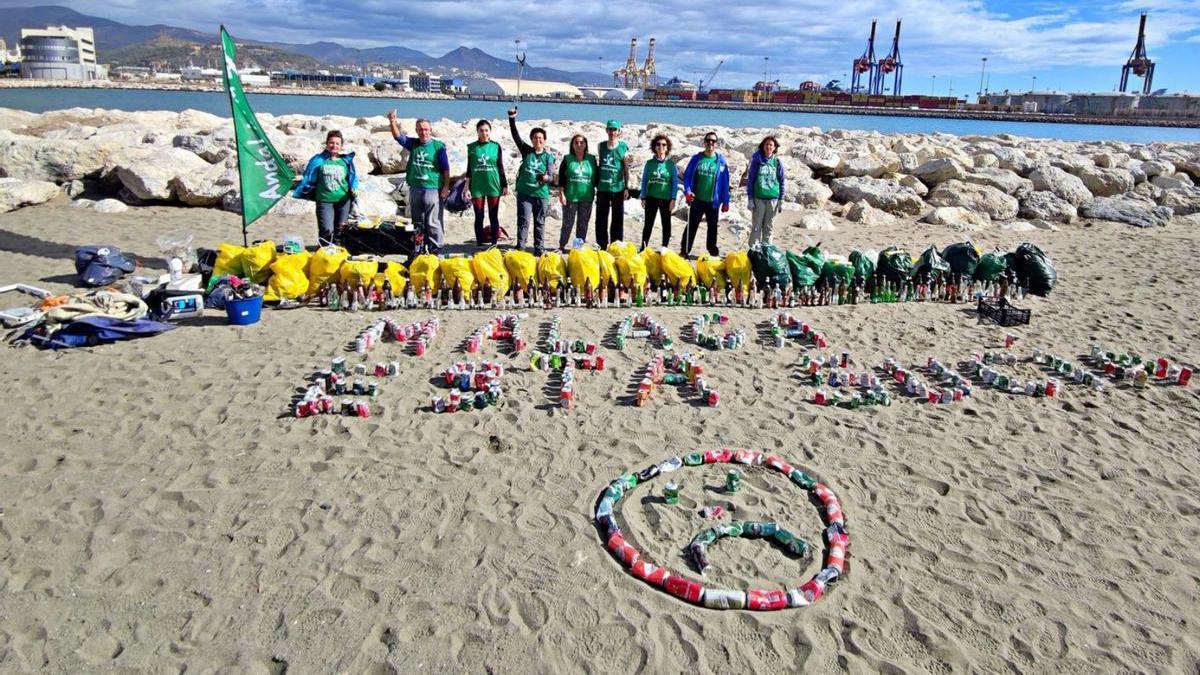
41 100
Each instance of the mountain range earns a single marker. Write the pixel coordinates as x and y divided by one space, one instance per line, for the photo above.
163 45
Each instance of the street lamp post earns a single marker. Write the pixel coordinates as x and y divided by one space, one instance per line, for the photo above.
982 70
933 85
1033 88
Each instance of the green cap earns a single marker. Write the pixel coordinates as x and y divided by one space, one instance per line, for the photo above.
613 124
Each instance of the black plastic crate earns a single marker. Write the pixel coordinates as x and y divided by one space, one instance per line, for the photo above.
1003 313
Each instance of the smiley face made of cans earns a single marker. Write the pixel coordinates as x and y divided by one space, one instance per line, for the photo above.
835 536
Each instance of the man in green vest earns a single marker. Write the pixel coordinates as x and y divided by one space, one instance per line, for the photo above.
428 180
533 183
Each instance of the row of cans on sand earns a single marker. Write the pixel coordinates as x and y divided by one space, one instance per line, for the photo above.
702 329
869 396
837 539
466 400
418 334
639 325
1120 367
698 547
679 369
954 387
328 405
785 325
502 327
469 376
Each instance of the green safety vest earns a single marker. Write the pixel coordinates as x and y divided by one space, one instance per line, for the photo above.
483 166
580 176
332 184
422 168
658 184
534 165
704 181
612 167
766 183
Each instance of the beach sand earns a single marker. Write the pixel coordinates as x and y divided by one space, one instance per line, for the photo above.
162 511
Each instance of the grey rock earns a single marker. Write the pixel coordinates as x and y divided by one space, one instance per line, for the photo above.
1047 206
1105 182
1173 182
937 171
1183 201
1001 179
862 212
957 216
149 176
882 194
1128 211
18 192
815 219
1061 183
978 198
110 206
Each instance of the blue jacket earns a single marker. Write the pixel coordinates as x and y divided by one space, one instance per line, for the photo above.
721 191
307 188
757 161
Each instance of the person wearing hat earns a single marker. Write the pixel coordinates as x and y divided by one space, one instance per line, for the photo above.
611 186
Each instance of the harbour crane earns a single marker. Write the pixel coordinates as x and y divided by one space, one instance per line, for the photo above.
706 83
1139 62
630 72
890 65
648 72
865 66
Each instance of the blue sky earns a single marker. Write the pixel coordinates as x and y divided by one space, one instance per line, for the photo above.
1072 46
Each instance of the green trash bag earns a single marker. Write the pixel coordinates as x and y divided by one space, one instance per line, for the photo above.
963 258
931 265
991 266
814 258
1033 269
864 267
769 264
896 264
836 272
803 276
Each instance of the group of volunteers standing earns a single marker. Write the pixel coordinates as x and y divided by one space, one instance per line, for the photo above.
579 180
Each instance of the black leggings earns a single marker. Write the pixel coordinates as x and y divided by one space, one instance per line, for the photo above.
708 212
655 207
605 231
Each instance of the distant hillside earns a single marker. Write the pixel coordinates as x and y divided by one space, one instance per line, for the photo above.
171 46
167 53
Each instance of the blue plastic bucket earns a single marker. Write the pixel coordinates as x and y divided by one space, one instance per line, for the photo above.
245 311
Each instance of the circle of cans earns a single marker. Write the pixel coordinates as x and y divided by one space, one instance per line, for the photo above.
835 536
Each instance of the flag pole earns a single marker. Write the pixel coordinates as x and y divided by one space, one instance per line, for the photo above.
237 141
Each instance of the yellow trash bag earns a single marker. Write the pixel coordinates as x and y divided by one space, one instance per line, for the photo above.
521 266
653 264
711 271
457 270
678 270
394 273
289 277
620 248
324 266
583 266
489 268
551 269
423 273
608 268
354 272
247 262
737 269
632 270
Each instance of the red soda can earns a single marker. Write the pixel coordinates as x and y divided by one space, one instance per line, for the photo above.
1185 375
812 590
833 513
1051 388
362 409
823 493
419 348
714 398
1009 339
958 394
1110 368
805 329
777 463
836 557
302 409
934 396
590 348
712 512
766 600
651 574
716 456
1160 367
599 362
684 589
381 370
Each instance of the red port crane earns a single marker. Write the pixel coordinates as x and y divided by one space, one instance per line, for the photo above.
865 65
890 65
1139 62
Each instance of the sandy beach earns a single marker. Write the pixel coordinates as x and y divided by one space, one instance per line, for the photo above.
161 511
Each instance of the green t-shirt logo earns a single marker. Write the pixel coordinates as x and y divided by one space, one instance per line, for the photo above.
422 168
483 161
331 185
767 184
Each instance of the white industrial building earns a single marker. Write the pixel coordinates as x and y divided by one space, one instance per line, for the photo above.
496 86
58 53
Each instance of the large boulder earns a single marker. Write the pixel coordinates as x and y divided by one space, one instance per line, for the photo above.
1173 182
205 186
1105 182
882 194
110 206
1014 160
18 192
937 171
804 191
815 219
868 165
1121 210
1043 205
1157 167
203 146
914 183
957 216
1061 183
818 156
1183 201
1001 179
148 174
862 212
978 198
387 156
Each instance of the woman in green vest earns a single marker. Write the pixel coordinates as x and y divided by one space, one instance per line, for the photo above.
660 182
330 181
577 176
612 187
486 182
765 188
533 183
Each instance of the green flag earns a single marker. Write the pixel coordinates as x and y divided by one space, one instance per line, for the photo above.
264 175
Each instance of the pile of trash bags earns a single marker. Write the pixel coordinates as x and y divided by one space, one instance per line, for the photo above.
296 276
